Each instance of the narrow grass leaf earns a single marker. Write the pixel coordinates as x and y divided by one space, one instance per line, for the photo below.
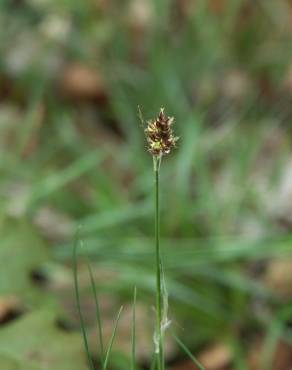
57 180
108 352
97 311
153 363
77 295
133 358
188 352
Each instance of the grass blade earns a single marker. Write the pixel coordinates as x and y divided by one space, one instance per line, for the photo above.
108 352
133 359
153 363
77 295
97 310
188 352
141 118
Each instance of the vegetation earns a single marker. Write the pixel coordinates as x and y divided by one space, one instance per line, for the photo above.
71 153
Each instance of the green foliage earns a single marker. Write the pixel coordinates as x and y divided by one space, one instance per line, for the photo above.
24 344
86 161
133 337
187 351
78 302
98 314
111 342
21 252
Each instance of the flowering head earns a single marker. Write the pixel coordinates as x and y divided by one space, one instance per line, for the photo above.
159 135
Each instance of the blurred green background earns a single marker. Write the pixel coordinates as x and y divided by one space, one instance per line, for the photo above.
72 152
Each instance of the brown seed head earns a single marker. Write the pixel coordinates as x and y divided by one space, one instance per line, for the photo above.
159 134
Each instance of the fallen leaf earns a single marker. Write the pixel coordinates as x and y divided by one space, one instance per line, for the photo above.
35 342
278 277
82 82
216 357
21 252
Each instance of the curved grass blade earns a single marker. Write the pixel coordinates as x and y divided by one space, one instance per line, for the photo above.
188 352
133 358
108 352
97 311
77 295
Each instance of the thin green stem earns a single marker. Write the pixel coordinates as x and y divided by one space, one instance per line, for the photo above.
159 334
97 310
133 358
188 352
78 303
108 352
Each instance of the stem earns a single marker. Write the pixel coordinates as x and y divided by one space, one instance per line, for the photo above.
159 334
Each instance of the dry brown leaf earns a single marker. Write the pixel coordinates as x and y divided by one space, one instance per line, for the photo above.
281 358
287 81
140 15
216 357
8 305
184 365
217 6
278 277
82 82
